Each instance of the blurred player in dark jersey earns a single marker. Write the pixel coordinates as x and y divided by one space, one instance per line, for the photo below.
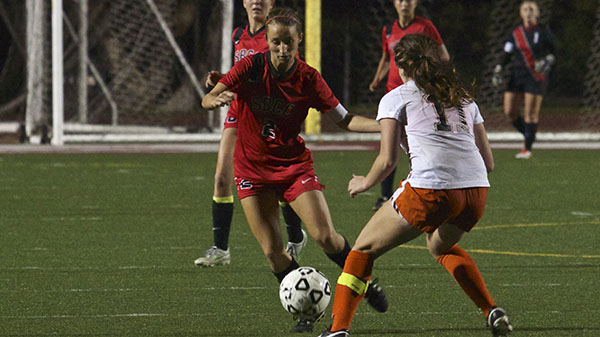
530 48
271 161
247 40
407 23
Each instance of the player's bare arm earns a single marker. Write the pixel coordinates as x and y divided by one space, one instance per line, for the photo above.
481 140
382 69
218 97
386 160
444 55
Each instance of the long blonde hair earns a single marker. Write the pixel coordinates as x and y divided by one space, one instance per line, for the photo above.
419 57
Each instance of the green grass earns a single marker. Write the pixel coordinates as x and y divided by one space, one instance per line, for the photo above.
103 244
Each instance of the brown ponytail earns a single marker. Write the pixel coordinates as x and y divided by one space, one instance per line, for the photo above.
419 57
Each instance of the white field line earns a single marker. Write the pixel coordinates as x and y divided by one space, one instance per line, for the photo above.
213 147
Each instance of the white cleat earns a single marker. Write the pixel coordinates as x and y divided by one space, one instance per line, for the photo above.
295 249
214 257
524 154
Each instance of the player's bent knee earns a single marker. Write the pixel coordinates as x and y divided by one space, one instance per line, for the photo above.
326 239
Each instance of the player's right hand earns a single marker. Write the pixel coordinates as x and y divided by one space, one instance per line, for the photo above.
497 76
373 85
212 78
224 98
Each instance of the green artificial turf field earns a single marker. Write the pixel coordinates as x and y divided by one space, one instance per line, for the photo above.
104 244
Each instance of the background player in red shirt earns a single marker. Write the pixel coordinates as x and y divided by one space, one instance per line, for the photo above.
247 40
271 162
530 48
391 34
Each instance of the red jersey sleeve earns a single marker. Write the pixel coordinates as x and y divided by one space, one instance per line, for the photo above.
433 33
384 44
325 100
238 74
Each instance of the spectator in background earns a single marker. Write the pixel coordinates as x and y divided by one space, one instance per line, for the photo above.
530 48
392 33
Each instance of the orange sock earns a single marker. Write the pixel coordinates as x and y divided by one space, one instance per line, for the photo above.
458 263
358 269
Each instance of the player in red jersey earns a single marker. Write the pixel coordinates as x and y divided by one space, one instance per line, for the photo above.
407 23
247 40
530 49
271 162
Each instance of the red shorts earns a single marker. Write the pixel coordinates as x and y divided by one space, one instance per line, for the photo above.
287 191
231 120
428 209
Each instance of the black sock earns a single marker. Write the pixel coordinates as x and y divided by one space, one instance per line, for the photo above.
293 265
222 213
519 124
530 131
293 224
340 258
387 185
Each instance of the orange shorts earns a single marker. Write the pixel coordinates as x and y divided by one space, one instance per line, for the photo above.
287 192
427 209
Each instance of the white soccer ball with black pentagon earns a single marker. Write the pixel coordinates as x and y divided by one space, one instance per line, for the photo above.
305 293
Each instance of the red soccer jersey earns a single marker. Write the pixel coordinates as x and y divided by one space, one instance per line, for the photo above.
272 108
246 43
391 35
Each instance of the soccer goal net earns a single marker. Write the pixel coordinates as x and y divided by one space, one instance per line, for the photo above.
129 67
133 70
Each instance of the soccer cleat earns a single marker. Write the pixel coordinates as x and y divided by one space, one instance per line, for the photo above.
339 333
498 322
295 249
524 154
376 297
214 257
379 203
303 325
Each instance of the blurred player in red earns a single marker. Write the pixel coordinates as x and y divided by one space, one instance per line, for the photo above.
407 23
271 161
531 49
435 120
247 40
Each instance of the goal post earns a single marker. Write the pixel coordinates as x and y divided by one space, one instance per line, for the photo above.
57 73
313 56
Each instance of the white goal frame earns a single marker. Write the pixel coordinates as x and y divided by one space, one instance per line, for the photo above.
68 132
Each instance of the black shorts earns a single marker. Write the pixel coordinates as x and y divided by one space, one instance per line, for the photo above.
526 83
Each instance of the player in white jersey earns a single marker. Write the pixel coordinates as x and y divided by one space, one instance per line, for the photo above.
437 123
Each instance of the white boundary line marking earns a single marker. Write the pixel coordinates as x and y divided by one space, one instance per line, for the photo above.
214 147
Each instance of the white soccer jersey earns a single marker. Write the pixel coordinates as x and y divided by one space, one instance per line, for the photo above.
441 144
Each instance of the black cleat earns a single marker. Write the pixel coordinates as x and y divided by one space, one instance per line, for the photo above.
339 333
303 325
498 322
376 297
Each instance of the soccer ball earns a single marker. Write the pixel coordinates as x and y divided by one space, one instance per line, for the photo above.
305 293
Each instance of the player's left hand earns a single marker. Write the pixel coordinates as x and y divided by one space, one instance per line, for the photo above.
543 65
356 185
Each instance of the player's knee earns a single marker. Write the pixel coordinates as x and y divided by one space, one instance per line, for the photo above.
326 239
